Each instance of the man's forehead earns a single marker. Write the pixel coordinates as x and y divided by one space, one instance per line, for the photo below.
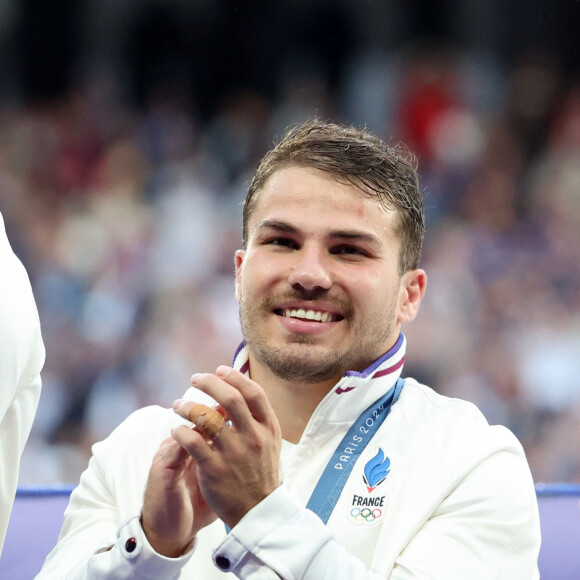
290 178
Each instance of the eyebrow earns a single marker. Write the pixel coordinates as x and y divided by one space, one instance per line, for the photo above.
355 236
346 235
277 225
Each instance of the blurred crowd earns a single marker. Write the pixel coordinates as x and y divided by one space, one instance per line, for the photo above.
127 219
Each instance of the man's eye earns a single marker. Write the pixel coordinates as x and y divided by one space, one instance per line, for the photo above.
349 250
284 242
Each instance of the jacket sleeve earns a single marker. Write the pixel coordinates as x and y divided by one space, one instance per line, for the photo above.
486 527
102 536
281 539
21 360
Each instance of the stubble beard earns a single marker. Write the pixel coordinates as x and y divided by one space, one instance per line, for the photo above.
295 362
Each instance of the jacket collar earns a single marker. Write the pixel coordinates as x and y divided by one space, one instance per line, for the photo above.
355 391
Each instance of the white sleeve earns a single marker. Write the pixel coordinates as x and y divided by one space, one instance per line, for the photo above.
128 557
21 360
102 538
281 539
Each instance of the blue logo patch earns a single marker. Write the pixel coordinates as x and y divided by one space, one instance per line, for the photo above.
376 470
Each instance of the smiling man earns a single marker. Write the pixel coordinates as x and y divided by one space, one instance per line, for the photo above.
319 285
321 461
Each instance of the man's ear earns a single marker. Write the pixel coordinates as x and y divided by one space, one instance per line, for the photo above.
413 285
239 259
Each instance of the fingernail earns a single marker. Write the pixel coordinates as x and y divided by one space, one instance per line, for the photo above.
222 370
176 403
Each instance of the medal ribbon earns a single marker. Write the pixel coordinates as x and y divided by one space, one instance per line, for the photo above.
330 485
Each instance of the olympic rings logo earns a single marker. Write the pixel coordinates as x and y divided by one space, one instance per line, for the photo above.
365 514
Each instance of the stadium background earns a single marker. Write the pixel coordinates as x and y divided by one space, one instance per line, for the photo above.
129 130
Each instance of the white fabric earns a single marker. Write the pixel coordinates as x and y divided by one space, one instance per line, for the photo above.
21 360
458 502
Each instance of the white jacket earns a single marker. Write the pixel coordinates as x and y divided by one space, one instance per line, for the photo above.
21 360
457 503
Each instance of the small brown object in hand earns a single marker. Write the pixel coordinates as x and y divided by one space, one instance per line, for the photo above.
208 421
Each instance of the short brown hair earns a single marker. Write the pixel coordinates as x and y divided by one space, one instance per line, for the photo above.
355 156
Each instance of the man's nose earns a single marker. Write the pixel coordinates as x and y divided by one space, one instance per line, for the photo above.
311 269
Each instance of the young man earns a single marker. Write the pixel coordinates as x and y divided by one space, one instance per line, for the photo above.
21 360
329 465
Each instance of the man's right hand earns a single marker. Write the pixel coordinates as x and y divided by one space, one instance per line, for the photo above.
173 509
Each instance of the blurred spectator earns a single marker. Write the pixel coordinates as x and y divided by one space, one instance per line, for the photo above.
127 221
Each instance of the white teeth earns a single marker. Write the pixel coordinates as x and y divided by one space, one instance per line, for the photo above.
308 314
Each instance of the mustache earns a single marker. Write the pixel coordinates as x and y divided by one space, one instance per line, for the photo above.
342 305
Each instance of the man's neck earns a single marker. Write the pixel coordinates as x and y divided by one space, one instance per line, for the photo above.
293 403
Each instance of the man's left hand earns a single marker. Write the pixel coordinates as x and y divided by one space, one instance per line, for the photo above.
239 467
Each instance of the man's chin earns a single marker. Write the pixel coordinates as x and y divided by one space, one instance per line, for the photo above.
305 339
300 362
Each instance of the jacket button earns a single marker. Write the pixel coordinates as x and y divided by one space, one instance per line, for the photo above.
130 545
222 562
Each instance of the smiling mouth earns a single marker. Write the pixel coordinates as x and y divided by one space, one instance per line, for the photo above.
310 315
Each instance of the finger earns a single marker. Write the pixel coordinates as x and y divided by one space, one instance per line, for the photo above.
182 407
231 402
253 394
191 411
171 455
207 421
193 443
